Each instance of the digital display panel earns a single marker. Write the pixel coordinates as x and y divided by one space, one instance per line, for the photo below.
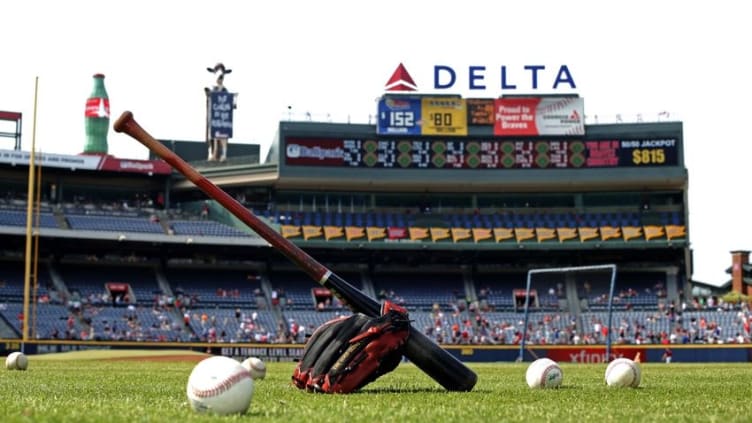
466 153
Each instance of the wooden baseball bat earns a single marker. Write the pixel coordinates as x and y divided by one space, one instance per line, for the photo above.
427 355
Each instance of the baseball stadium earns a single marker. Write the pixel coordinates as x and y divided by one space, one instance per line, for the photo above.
508 229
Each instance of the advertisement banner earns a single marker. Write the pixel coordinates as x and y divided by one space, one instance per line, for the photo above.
396 233
527 116
314 151
86 162
15 157
150 167
593 354
221 105
399 115
480 111
444 116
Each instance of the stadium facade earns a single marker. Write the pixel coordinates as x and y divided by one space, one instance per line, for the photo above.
456 215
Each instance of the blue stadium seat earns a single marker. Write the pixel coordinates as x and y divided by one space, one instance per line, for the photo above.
113 223
205 228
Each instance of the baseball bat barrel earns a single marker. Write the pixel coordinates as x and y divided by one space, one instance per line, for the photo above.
427 355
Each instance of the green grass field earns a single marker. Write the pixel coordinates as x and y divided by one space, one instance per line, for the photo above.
89 388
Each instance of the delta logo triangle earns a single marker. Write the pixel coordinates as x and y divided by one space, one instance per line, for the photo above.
401 80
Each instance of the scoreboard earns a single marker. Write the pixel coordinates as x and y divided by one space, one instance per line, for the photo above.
509 117
471 153
422 116
450 132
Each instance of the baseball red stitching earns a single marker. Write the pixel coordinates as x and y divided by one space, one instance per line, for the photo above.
223 386
631 367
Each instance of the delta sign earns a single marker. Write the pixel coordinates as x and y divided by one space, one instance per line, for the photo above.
403 111
528 78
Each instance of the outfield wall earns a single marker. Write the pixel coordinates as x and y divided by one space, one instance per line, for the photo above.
693 353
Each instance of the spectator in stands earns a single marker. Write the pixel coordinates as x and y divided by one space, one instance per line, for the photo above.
456 334
576 340
160 201
205 210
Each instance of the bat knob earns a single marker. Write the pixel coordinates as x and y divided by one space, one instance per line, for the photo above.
122 121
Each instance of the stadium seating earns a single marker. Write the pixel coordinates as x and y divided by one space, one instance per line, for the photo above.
310 320
51 321
216 324
12 282
215 286
113 223
296 290
204 228
495 291
89 279
421 291
18 218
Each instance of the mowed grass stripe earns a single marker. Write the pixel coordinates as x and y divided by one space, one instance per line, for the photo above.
149 391
105 354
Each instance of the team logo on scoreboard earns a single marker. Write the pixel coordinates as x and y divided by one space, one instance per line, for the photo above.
293 151
508 78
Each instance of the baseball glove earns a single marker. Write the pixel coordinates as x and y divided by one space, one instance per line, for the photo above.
347 353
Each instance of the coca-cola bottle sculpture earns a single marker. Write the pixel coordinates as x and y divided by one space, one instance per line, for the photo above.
97 117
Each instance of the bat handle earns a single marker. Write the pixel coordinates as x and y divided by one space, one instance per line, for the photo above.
448 371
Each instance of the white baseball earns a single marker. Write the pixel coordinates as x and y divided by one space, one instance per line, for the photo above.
220 385
256 367
544 373
623 373
16 361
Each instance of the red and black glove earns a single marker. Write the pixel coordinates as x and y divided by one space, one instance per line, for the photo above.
347 353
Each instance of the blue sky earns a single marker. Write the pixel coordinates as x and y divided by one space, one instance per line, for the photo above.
333 58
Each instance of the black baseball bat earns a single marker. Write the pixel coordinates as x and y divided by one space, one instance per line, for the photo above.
427 355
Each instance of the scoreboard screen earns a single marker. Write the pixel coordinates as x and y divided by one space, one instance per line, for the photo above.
417 153
444 116
480 111
400 116
405 115
449 116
